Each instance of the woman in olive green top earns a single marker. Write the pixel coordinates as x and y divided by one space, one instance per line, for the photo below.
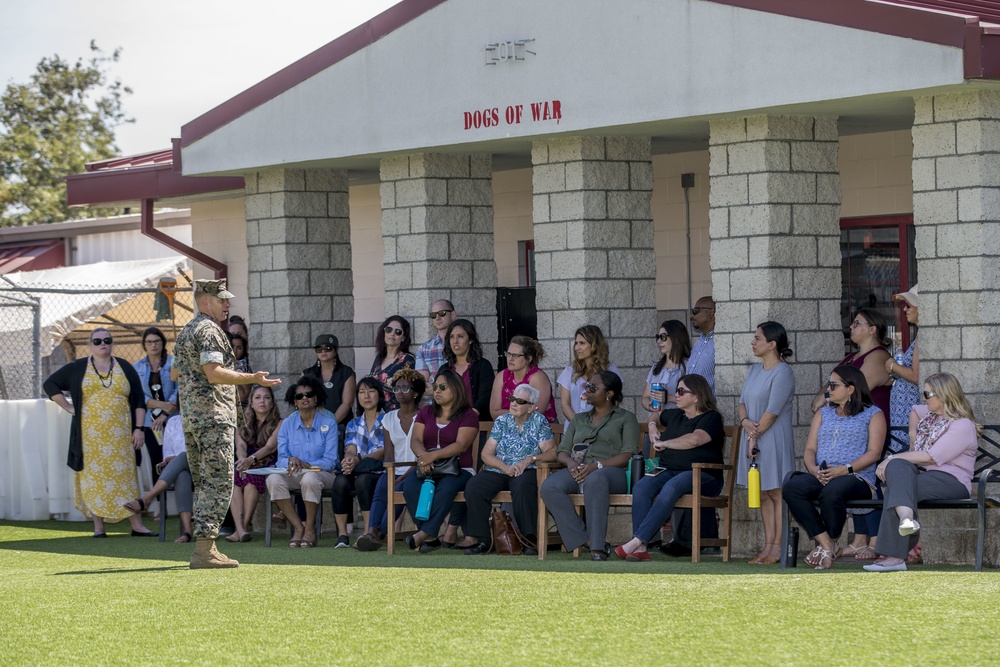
596 448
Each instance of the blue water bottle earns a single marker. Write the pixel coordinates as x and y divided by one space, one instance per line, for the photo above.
656 386
425 500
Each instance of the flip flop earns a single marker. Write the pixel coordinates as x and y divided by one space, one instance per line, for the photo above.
246 537
232 538
185 537
294 543
137 501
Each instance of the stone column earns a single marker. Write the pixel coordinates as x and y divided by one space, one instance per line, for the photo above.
300 281
437 226
774 200
594 260
956 207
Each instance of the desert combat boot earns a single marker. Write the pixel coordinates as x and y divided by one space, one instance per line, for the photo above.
207 556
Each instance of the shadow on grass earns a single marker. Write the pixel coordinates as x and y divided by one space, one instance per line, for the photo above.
122 570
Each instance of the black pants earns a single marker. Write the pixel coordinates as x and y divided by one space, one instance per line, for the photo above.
363 484
802 489
479 494
155 451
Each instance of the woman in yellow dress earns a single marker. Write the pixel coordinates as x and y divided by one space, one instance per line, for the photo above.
108 408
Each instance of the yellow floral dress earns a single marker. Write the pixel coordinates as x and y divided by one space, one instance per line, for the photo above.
108 479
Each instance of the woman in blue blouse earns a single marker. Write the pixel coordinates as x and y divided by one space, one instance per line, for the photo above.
159 389
517 441
845 442
363 454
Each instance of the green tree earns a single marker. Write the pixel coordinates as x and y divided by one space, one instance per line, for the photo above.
50 128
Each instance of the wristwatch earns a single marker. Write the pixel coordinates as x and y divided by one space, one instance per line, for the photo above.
599 465
850 470
533 458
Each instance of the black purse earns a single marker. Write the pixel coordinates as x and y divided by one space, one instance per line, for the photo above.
448 467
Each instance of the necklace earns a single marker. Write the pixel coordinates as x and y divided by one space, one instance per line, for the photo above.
102 378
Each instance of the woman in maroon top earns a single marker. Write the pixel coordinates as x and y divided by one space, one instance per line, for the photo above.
523 356
441 430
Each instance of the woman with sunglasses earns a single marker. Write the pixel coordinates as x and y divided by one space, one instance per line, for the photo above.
159 389
845 442
595 449
337 377
693 433
408 385
442 430
590 357
392 353
944 440
765 413
675 348
108 408
361 465
307 448
463 355
523 356
256 447
518 440
869 332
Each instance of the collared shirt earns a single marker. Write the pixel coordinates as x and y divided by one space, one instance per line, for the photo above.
366 441
430 356
618 432
144 370
515 444
702 359
202 403
316 446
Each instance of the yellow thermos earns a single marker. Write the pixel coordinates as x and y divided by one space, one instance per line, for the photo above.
753 486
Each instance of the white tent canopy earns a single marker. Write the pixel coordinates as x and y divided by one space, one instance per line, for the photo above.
113 283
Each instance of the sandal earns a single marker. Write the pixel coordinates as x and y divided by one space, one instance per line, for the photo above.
915 557
130 506
185 537
865 553
825 555
813 557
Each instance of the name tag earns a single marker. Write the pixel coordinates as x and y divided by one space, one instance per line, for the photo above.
324 428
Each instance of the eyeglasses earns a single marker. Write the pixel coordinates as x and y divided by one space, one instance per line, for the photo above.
439 313
152 341
102 341
389 330
662 337
682 391
304 394
519 401
324 348
698 309
440 387
591 387
859 323
514 355
831 385
929 394
402 389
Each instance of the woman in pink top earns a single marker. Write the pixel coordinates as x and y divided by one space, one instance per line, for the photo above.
939 466
523 356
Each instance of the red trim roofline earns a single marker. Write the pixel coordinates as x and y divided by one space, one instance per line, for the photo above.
154 182
346 45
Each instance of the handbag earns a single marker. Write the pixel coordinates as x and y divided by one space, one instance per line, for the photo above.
448 467
369 465
507 540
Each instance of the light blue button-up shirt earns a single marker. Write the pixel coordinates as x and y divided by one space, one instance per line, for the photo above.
316 446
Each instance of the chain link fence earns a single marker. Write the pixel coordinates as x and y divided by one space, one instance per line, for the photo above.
46 326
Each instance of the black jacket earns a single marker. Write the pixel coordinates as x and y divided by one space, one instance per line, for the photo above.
70 378
481 378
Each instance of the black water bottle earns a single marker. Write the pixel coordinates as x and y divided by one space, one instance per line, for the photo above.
792 557
638 469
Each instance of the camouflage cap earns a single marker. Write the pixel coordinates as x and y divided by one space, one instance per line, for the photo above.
213 288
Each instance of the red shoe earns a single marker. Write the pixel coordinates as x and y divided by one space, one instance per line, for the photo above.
620 552
638 556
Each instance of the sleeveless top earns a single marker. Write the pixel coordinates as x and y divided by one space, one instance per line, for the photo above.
509 384
880 395
842 440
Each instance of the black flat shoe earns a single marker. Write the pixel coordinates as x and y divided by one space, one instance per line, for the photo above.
430 545
447 545
410 542
476 549
528 551
100 534
598 555
136 533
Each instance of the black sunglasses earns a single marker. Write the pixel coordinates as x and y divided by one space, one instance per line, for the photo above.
102 341
698 309
398 332
681 391
440 387
304 394
929 394
661 337
519 401
831 385
439 313
325 348
591 387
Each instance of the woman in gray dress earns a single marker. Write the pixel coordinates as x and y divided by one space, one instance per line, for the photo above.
766 417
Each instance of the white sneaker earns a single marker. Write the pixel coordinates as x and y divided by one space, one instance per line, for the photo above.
881 567
908 527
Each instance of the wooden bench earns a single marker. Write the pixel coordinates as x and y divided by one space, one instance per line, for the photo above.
987 458
693 501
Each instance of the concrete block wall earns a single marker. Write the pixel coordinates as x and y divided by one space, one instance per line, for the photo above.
594 259
437 229
299 277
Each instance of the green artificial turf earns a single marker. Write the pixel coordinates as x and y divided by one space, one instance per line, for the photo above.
68 599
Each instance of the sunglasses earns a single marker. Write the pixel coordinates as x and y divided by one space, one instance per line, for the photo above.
102 341
324 348
698 309
831 385
440 387
304 394
929 394
591 387
662 337
389 330
682 391
439 313
519 401
514 355
402 389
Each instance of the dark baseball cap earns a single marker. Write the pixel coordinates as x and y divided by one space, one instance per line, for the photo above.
327 339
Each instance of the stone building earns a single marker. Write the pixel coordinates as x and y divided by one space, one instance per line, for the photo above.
443 148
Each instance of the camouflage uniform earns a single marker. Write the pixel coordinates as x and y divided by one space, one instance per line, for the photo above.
210 417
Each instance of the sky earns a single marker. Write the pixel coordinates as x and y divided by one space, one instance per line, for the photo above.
180 57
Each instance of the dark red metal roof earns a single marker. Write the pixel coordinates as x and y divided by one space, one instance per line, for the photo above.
32 256
130 161
984 10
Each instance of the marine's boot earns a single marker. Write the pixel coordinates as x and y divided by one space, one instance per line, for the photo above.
207 556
